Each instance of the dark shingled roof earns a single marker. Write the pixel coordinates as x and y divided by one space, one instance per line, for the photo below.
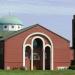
7 35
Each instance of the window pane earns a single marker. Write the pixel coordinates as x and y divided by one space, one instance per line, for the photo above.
12 26
5 26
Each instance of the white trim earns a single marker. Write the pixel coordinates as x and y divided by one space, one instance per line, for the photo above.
31 58
24 53
9 27
43 48
28 45
47 45
62 68
52 65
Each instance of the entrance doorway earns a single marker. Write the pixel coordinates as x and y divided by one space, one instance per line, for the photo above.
38 54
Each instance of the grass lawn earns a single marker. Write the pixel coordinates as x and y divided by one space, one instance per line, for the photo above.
37 72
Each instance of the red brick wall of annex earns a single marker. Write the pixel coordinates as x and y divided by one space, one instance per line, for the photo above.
14 46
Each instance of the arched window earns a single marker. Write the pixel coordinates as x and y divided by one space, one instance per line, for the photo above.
28 52
28 57
38 53
47 58
37 43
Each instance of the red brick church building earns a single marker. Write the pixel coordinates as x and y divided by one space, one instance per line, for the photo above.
34 47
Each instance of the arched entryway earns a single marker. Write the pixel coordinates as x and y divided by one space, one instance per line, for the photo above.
38 54
38 35
28 58
47 58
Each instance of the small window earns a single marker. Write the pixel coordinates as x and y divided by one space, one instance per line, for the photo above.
18 26
5 26
12 26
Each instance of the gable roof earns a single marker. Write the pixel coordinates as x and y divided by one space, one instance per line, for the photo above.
27 28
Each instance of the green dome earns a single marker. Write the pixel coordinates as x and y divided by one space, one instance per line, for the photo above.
10 20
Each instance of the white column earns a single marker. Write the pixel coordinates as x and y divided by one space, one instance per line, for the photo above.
31 58
44 59
52 58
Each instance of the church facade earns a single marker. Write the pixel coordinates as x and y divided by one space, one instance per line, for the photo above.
35 47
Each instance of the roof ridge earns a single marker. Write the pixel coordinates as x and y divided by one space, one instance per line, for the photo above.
54 33
29 27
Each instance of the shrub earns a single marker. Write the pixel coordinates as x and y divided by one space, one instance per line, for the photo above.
72 67
22 68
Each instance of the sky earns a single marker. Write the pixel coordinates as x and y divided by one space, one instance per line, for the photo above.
56 15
